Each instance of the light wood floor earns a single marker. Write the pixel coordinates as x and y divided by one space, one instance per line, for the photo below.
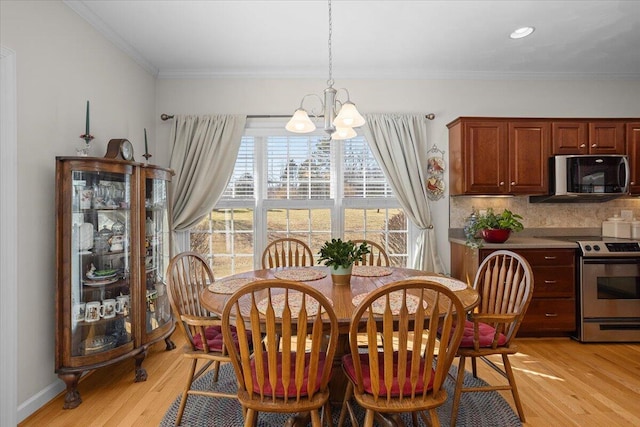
561 383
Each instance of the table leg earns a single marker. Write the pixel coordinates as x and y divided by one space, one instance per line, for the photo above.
339 381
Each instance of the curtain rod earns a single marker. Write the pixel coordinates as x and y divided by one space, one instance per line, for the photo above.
165 117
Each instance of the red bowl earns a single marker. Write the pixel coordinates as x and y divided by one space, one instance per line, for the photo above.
495 235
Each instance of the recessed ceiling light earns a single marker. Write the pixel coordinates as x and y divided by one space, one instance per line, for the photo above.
522 32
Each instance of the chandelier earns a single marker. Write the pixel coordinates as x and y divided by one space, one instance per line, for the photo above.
339 117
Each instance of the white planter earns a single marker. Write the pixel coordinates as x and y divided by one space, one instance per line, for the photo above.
341 275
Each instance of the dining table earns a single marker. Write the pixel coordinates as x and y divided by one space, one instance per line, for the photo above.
344 298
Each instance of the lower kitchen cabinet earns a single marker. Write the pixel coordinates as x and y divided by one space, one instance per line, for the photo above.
552 311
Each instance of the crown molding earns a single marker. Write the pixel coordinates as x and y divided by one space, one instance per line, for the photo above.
404 75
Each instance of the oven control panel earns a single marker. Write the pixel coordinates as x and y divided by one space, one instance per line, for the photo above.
610 248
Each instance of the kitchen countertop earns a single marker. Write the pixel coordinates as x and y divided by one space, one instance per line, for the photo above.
532 238
516 242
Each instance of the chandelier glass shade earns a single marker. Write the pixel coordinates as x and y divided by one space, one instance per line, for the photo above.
340 118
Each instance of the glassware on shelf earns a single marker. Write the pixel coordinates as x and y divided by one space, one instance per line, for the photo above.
150 227
118 228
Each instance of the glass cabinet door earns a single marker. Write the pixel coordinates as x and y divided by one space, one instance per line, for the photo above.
100 261
157 253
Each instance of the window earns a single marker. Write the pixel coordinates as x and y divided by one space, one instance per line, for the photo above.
304 187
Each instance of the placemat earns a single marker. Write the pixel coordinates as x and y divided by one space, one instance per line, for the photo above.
300 274
370 271
295 303
449 282
229 286
395 301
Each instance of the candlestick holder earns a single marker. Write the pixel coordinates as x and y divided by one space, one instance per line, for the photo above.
84 150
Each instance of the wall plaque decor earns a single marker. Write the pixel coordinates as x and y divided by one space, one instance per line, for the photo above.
435 173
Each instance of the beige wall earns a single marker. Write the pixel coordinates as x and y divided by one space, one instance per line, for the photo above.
61 63
448 99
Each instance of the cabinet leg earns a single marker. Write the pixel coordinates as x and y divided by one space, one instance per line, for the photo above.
72 398
170 345
141 373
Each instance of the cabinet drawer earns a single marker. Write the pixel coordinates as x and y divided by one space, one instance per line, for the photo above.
544 257
550 315
555 282
541 257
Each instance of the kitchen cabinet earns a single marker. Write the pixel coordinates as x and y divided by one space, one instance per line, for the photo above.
588 137
552 311
498 156
112 248
633 151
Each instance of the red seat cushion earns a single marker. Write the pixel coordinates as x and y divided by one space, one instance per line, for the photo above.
214 338
279 391
347 362
486 334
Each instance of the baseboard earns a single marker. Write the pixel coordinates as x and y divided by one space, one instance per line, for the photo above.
40 399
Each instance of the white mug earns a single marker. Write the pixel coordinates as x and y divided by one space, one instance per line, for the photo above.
109 308
79 311
86 195
92 311
122 306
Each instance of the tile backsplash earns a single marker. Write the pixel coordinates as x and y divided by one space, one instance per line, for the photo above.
542 215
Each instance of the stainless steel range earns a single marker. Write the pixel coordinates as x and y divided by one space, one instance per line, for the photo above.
609 292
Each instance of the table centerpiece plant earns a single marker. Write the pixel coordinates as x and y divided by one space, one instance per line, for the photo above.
491 227
340 255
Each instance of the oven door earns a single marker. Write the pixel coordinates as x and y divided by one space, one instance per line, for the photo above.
611 287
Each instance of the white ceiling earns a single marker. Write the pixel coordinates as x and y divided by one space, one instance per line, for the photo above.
374 39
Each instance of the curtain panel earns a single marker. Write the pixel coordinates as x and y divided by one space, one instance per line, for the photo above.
398 142
204 151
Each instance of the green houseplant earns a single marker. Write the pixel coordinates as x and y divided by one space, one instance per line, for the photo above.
340 255
492 227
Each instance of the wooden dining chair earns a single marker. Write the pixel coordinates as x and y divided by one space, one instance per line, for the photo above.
407 374
188 274
377 255
287 252
504 282
292 376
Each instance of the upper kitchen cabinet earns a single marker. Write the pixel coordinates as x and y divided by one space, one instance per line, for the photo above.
633 151
588 137
498 156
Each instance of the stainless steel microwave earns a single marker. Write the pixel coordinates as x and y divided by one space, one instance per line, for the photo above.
588 174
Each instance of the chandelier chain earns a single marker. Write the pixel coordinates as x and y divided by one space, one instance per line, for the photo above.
330 81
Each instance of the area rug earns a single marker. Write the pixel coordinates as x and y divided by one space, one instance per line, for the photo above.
487 409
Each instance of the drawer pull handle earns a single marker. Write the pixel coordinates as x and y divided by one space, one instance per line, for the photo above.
550 257
550 282
551 315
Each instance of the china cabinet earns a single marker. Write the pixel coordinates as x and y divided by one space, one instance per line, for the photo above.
112 249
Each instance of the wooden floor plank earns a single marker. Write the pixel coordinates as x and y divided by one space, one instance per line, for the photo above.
561 382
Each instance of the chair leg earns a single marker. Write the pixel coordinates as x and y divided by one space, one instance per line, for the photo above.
512 383
328 416
315 419
368 418
474 368
458 391
183 401
251 419
435 420
216 370
346 406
